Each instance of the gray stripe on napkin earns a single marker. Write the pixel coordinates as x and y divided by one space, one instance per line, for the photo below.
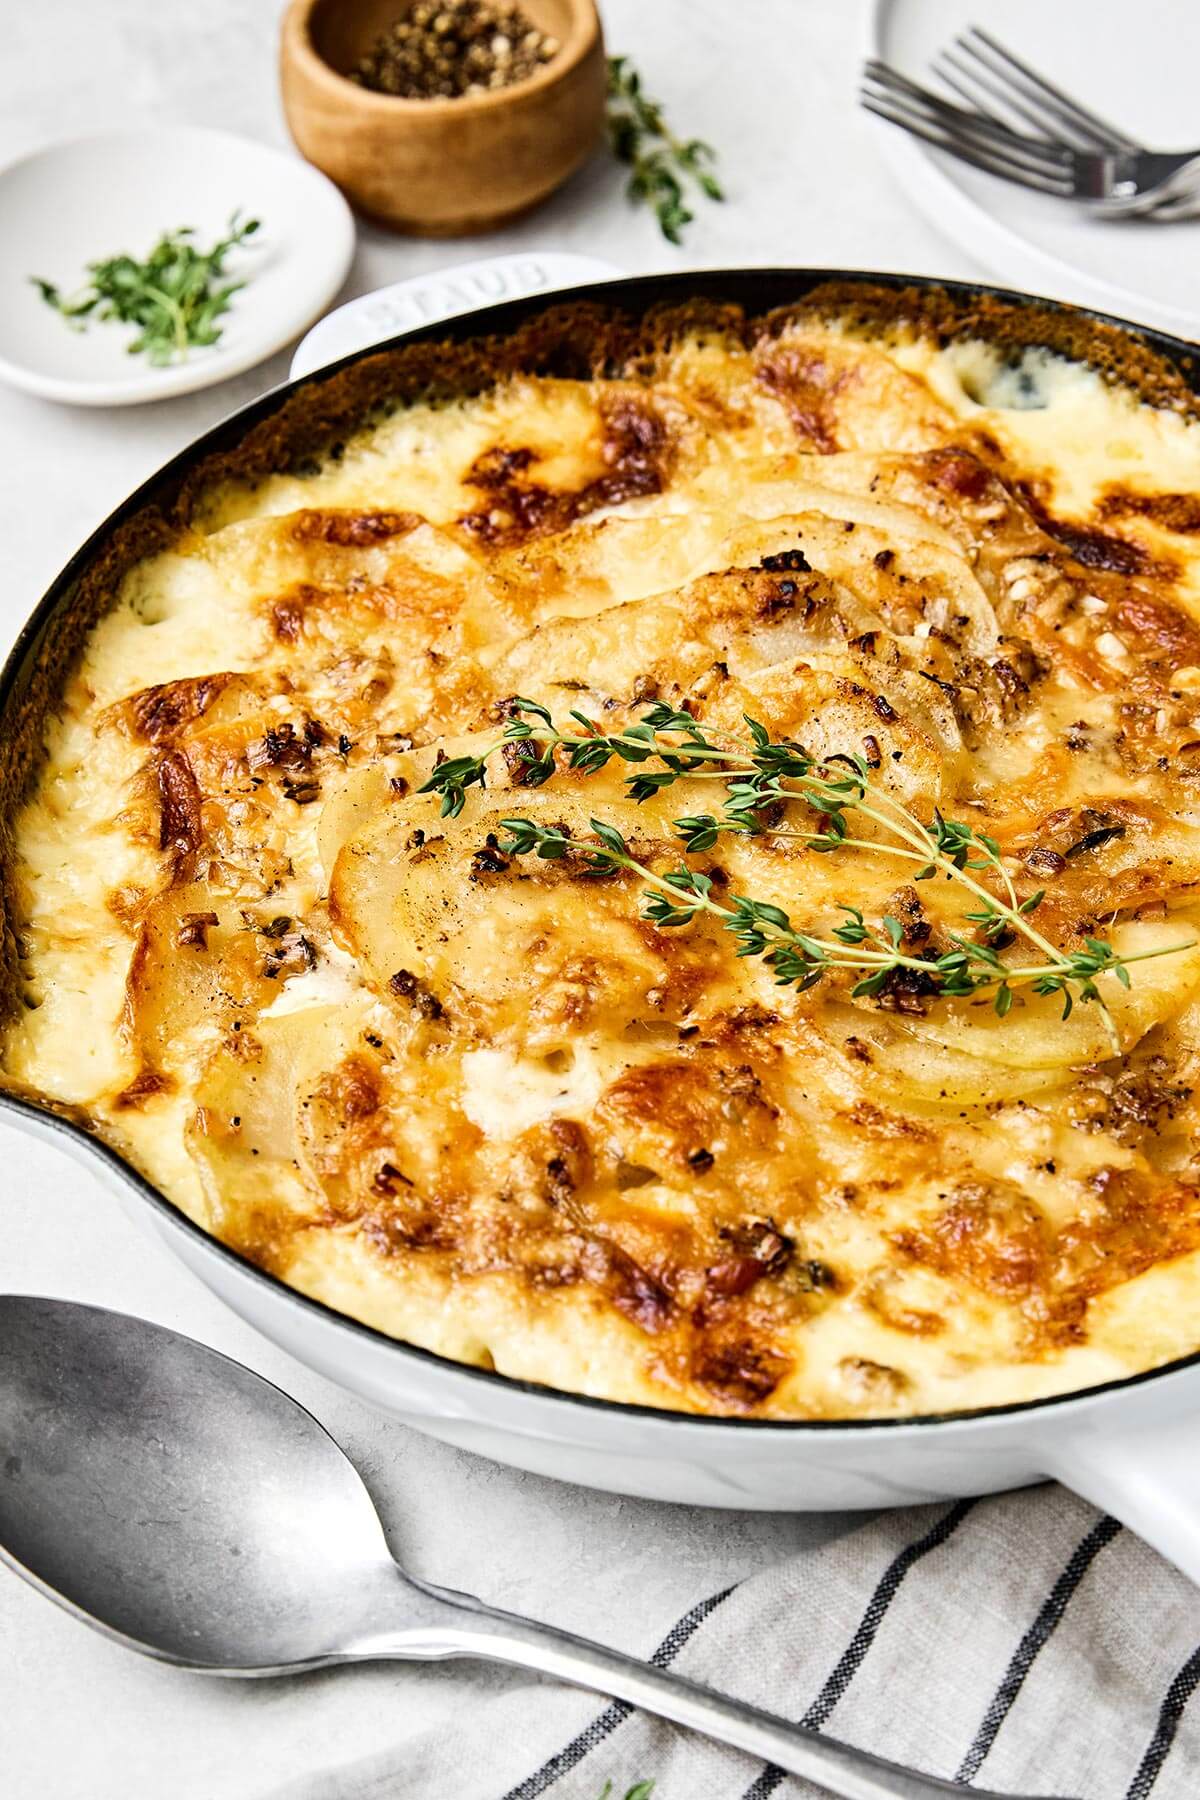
1159 1747
619 1711
848 1663
1023 1642
1035 1640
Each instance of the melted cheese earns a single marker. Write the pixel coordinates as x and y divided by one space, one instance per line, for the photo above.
504 1095
475 1101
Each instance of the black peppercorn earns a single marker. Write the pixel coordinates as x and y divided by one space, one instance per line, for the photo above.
443 49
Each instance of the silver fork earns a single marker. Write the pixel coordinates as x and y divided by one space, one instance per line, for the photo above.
985 74
1113 181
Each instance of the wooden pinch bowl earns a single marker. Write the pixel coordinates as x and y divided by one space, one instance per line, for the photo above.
440 168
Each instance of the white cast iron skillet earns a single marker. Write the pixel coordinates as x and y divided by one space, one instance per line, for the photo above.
1131 1446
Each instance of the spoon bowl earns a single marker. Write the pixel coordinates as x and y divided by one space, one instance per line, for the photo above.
178 1502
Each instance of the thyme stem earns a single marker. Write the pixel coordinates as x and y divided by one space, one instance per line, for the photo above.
836 958
661 164
759 774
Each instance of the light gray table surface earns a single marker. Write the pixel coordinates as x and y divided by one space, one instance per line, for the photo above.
770 83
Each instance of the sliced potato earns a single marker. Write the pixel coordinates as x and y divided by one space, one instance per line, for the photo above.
358 802
307 1112
505 941
907 1070
832 713
597 564
907 575
1036 1036
195 970
741 617
245 1135
349 808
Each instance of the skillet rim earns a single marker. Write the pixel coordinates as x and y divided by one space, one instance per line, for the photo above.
758 290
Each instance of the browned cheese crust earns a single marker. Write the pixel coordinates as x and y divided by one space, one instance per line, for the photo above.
476 1100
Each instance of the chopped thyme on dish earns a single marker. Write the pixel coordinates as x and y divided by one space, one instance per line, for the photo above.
176 295
764 777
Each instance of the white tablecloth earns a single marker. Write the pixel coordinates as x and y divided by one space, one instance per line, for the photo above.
771 84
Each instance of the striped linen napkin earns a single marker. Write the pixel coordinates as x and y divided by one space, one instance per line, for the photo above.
1024 1643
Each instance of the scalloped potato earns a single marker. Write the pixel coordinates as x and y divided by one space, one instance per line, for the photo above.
478 1101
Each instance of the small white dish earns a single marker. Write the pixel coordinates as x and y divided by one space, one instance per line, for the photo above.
94 197
1134 67
444 294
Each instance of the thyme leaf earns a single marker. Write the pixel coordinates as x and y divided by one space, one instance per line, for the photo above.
664 169
175 297
758 773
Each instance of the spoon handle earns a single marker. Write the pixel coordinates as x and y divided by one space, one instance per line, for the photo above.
838 1768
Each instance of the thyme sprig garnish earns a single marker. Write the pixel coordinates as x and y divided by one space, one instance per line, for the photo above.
176 295
763 778
661 165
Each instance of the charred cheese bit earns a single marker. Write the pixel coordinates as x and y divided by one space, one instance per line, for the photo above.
477 1102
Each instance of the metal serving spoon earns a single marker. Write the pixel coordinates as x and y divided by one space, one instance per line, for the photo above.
181 1504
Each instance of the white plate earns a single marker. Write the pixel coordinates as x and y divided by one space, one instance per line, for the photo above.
444 294
95 197
1134 64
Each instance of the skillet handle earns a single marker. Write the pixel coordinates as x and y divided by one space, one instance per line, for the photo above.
1147 1476
442 294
